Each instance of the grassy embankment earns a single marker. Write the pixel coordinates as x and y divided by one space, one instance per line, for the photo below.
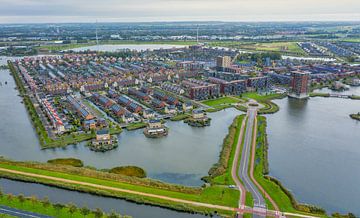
135 126
219 104
317 94
269 106
283 198
220 173
44 139
214 194
45 207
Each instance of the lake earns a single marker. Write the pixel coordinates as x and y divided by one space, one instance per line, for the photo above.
314 150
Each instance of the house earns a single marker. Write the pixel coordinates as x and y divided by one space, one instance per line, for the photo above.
171 109
187 106
148 114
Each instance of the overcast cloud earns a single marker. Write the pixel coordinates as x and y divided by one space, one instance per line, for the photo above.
25 11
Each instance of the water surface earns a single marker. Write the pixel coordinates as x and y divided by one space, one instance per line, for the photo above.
315 151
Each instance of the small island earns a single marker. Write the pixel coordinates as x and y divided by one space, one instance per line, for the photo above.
355 116
103 141
198 119
155 129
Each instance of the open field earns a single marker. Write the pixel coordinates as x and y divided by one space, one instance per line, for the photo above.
283 47
220 101
61 47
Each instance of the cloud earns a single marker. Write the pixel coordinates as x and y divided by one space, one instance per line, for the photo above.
166 10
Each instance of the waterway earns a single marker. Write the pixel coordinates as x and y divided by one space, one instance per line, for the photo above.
108 205
183 157
141 47
314 150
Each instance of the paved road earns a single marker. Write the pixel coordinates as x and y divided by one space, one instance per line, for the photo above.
259 202
234 173
20 213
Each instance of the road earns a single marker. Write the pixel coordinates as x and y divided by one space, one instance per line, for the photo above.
20 213
243 172
234 167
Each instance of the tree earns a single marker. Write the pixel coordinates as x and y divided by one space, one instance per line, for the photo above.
114 215
46 202
58 207
98 213
21 199
85 211
10 196
33 200
72 208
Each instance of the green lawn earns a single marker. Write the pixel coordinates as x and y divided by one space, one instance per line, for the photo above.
260 98
220 101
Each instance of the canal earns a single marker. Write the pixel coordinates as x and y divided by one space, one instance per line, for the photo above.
80 199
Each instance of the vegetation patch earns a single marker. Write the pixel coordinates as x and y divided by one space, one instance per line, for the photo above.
180 117
317 94
132 171
135 126
355 116
220 173
67 161
221 101
45 207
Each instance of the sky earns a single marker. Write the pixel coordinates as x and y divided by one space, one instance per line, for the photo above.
63 11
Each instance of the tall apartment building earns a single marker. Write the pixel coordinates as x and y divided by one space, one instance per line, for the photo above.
299 85
223 62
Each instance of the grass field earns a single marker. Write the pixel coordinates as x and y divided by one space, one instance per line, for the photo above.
61 47
261 98
283 47
221 101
